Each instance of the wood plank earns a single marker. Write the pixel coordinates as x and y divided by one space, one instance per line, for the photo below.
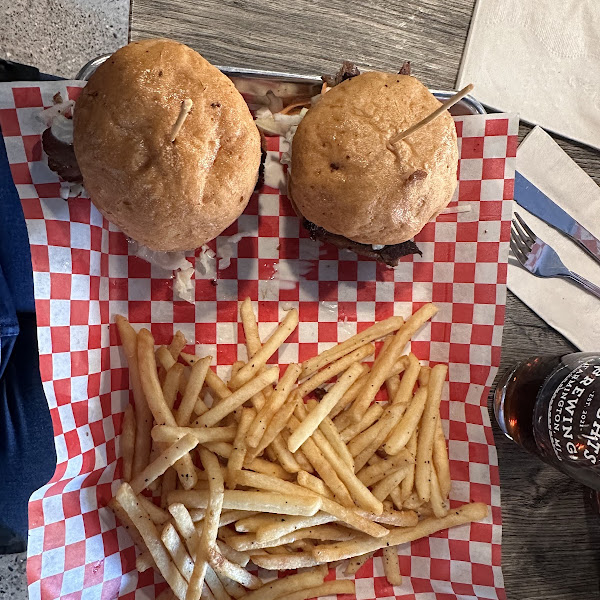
551 537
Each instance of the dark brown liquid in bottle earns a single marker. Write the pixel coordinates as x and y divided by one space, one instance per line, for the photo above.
551 406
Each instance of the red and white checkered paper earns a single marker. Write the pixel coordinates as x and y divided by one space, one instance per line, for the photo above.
84 274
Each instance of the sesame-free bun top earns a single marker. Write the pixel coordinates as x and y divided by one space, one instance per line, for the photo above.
344 178
166 195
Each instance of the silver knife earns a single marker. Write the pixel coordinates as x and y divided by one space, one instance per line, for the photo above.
537 203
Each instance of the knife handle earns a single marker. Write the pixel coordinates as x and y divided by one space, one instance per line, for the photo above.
587 242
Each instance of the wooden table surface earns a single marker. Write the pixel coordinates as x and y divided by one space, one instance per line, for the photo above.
551 539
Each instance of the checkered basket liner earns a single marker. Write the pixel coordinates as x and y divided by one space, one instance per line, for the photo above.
85 273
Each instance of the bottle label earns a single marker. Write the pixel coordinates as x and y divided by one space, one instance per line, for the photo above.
574 415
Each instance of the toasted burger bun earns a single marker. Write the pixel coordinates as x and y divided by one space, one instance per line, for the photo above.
165 195
346 180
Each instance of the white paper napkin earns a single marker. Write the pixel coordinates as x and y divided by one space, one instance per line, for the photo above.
563 305
540 58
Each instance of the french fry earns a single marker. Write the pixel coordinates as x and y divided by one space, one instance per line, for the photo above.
236 460
397 518
213 582
391 566
233 588
383 488
170 538
301 581
164 358
227 568
409 379
273 404
409 481
435 499
260 358
396 496
223 449
310 482
185 526
402 432
143 416
254 501
168 484
424 375
284 562
314 418
192 391
268 468
280 527
361 494
371 474
356 563
248 542
341 550
351 394
377 432
352 430
387 358
329 588
276 425
128 501
329 430
235 400
157 514
250 326
286 459
156 401
128 442
170 387
177 344
427 429
440 460
144 561
375 332
128 525
169 435
339 366
165 460
391 385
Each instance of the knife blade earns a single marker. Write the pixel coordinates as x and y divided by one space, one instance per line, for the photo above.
537 203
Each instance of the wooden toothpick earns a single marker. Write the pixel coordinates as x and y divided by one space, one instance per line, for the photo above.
186 107
436 113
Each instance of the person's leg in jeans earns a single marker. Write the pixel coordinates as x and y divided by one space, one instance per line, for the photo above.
27 454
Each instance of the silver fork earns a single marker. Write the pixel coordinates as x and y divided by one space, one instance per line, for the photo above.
540 259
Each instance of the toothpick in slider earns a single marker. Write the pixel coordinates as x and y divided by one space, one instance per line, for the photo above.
443 108
186 107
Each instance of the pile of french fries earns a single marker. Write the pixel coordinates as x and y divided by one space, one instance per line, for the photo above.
298 471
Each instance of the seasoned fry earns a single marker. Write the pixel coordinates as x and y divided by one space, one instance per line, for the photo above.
168 484
236 460
128 501
383 489
284 562
178 343
227 568
339 366
170 538
399 436
352 430
258 501
331 398
286 459
377 432
128 442
273 404
409 481
387 358
170 387
351 394
248 318
356 563
274 589
260 358
156 401
157 514
192 391
427 431
276 425
436 500
329 588
143 416
144 561
391 385
235 400
376 472
342 550
329 430
165 460
375 332
391 566
310 482
440 460
169 435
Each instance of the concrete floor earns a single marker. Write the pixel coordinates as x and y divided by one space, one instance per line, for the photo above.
58 37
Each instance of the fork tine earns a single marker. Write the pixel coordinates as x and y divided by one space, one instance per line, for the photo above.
526 227
516 250
523 247
522 236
